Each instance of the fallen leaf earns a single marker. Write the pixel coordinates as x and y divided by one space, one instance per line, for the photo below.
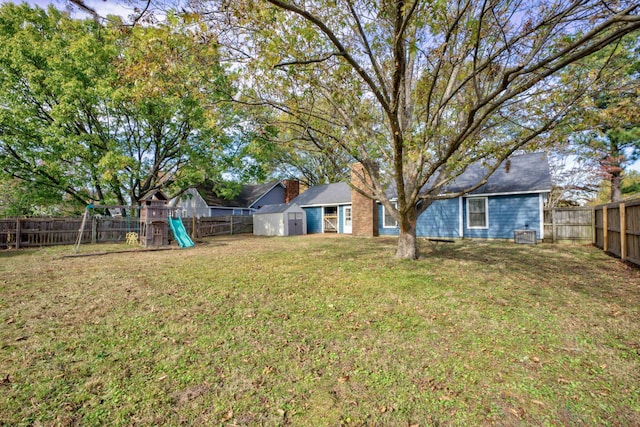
343 379
228 415
518 412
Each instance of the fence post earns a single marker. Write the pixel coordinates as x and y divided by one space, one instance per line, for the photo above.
17 233
623 232
94 229
593 226
231 224
605 230
554 227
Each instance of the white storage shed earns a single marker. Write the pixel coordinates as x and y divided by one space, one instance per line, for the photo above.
285 219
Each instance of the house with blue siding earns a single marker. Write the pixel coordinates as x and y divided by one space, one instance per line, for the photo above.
205 200
512 199
327 208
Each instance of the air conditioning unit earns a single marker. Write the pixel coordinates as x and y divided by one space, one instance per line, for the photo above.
527 237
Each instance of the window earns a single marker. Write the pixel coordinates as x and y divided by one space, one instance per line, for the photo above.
477 212
388 220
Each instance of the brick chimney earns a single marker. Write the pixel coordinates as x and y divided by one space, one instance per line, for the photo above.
291 189
364 210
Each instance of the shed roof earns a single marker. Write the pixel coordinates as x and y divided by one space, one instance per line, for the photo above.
277 208
326 194
248 195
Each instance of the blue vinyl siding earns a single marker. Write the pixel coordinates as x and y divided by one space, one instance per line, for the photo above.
273 197
506 214
381 230
441 219
314 220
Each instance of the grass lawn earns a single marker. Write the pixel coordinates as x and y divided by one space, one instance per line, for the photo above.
320 331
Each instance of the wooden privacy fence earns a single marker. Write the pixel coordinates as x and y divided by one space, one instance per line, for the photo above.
218 225
32 232
568 224
617 229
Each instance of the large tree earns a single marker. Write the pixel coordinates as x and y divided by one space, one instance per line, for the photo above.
108 113
605 130
418 90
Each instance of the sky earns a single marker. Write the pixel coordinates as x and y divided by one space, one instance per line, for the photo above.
103 7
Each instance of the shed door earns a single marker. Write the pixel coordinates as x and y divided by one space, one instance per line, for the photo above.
295 223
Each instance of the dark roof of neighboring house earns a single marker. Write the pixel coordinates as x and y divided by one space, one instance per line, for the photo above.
248 195
518 174
271 209
326 194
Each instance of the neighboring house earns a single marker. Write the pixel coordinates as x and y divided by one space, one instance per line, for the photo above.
284 219
203 201
513 198
328 208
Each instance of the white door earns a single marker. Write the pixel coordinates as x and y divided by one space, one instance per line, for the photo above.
346 229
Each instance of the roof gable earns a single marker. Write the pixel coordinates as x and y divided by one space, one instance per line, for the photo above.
154 195
248 195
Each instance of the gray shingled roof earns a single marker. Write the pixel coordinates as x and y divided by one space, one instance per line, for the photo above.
326 194
518 174
271 209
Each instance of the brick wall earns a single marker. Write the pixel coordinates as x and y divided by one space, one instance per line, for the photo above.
364 210
292 189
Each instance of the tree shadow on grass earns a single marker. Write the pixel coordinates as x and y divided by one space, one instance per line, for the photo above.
10 253
582 269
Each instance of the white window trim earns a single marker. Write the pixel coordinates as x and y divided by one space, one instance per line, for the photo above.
384 216
460 220
486 213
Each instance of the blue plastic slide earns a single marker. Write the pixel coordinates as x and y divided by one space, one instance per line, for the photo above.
177 227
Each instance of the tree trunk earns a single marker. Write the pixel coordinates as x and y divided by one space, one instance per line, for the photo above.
616 191
407 243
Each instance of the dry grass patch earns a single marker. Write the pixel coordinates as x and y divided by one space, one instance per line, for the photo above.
320 331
